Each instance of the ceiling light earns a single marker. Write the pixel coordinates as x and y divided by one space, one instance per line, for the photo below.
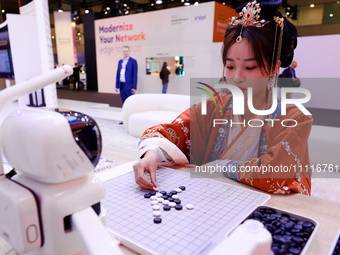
152 4
87 11
312 6
196 3
105 12
186 2
159 1
3 11
127 12
60 8
223 3
108 8
331 15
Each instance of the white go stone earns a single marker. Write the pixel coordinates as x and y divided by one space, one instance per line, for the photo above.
175 196
156 188
172 204
190 206
165 202
160 200
159 194
154 202
157 213
156 207
153 198
178 190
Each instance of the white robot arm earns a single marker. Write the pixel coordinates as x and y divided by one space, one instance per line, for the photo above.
47 207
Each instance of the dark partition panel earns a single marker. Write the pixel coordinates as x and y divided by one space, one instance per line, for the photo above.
90 51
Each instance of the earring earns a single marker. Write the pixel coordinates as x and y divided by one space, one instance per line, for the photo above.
270 82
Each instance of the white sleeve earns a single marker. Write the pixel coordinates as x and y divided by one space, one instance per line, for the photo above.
163 158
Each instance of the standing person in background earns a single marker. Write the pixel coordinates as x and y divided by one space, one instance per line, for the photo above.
126 78
75 75
290 78
164 75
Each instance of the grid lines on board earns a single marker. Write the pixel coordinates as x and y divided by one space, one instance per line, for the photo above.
219 207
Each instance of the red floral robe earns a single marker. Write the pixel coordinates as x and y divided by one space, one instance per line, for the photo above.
196 137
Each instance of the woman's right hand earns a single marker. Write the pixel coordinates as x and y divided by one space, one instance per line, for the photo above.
147 164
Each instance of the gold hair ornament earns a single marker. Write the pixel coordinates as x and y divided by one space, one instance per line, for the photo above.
248 17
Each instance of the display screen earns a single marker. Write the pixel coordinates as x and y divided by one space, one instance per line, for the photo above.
5 66
174 64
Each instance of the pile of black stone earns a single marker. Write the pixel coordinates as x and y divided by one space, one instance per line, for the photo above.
289 234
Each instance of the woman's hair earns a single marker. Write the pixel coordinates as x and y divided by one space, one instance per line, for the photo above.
261 40
165 64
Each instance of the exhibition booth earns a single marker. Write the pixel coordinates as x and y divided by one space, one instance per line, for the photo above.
184 37
55 198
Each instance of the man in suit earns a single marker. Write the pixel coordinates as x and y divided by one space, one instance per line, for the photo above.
126 78
290 78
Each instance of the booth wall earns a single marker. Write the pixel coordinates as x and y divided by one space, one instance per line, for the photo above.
184 31
318 68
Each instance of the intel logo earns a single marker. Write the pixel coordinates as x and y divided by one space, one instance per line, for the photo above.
201 17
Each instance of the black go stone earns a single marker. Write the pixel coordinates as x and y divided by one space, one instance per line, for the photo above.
182 187
152 193
166 208
173 192
257 214
270 227
285 215
164 197
294 231
294 251
307 224
282 252
289 226
147 195
298 240
169 194
297 226
171 199
157 220
178 207
270 217
163 192
177 201
270 210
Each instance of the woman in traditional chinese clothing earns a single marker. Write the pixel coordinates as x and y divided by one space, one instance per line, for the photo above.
256 44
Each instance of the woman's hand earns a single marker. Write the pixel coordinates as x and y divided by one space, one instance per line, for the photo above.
146 164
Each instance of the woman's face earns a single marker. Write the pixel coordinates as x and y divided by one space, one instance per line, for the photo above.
243 71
